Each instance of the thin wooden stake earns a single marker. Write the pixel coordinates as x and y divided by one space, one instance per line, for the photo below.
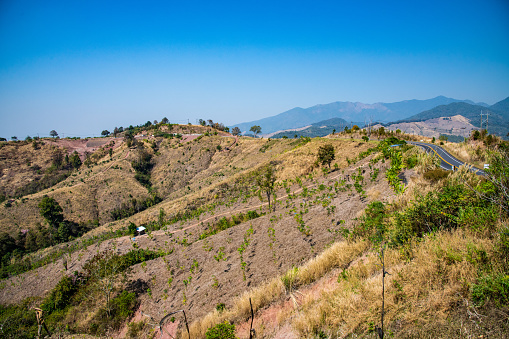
252 318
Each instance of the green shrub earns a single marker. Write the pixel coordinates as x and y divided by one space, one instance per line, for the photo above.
18 321
135 329
220 307
61 295
252 215
435 211
143 179
493 288
221 331
411 161
225 223
131 228
134 206
123 307
124 304
371 225
479 218
502 248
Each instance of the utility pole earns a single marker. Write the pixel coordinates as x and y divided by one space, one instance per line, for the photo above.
487 117
485 120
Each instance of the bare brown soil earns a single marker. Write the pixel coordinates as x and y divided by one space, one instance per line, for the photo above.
456 125
83 146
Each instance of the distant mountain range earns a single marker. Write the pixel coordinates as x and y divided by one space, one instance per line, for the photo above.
350 111
319 129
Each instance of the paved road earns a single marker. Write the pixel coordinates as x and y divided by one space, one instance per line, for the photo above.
447 161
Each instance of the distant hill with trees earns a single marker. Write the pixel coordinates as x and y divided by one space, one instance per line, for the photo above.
498 118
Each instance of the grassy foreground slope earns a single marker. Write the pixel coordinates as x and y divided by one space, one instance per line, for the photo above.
310 267
445 249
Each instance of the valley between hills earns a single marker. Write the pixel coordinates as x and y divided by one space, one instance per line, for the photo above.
295 229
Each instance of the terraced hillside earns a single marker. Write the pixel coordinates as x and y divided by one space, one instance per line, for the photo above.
213 241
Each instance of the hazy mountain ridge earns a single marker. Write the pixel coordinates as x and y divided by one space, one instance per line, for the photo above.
319 129
349 111
502 107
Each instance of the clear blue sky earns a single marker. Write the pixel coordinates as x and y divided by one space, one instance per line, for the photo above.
83 66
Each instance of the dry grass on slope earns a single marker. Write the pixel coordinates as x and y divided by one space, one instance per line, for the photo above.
227 168
425 285
20 164
340 254
88 194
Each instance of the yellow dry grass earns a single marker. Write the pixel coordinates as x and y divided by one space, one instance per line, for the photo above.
426 162
428 283
373 194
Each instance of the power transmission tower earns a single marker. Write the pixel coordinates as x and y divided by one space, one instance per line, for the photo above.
485 120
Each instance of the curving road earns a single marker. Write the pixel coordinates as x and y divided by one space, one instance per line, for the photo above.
447 161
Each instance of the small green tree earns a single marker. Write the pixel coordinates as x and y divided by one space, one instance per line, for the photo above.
255 129
107 272
266 180
326 154
75 160
51 211
7 245
131 228
58 157
236 131
64 231
495 188
162 217
53 133
165 120
221 331
105 133
129 139
476 135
